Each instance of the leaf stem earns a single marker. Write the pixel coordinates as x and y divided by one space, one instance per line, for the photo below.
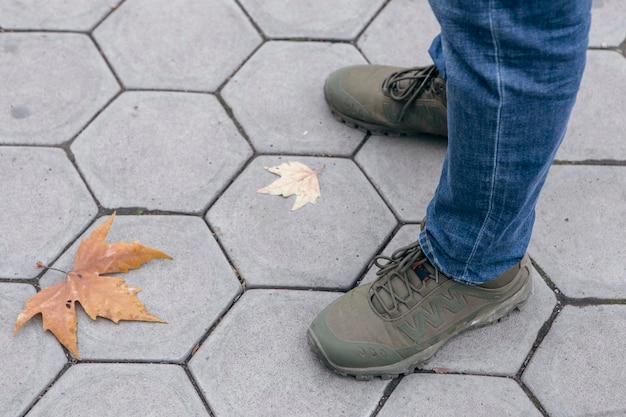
41 265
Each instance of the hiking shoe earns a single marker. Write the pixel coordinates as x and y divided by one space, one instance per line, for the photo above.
384 100
396 323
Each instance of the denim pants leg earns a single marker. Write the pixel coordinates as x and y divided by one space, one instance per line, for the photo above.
513 69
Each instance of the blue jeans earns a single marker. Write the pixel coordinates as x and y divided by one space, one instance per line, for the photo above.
512 69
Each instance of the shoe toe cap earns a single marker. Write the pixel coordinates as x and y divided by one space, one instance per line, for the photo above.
356 93
341 352
340 95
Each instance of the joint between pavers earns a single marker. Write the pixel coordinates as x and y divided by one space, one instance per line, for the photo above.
532 397
367 25
207 334
389 389
47 388
196 387
111 69
541 334
113 8
591 162
251 20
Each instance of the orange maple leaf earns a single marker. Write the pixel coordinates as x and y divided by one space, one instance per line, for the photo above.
102 296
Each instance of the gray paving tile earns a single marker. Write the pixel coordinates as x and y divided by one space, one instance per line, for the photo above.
579 367
318 19
578 234
608 26
278 98
30 360
454 395
108 390
323 245
53 83
191 291
257 362
498 349
54 14
405 170
401 34
595 129
44 206
124 152
187 44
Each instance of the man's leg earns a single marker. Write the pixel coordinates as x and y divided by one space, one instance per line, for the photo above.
513 70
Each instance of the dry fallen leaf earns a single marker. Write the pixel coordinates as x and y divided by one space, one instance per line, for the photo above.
98 295
295 178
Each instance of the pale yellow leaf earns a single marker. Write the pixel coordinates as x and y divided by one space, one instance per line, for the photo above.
295 179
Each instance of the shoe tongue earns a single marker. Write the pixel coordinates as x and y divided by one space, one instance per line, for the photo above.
408 79
400 86
405 294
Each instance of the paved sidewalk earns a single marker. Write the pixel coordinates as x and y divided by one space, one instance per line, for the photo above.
167 112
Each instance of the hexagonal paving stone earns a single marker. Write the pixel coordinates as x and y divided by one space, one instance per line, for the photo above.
257 362
608 26
54 83
123 152
54 14
405 170
187 44
454 395
278 98
322 245
401 34
44 198
498 349
30 360
579 232
100 389
190 292
579 367
595 128
312 19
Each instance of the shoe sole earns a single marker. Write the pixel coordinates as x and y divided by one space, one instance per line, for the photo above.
376 129
368 128
409 365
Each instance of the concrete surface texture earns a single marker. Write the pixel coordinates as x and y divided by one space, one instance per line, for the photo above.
168 112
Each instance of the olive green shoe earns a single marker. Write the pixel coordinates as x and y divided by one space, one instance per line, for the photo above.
389 100
393 325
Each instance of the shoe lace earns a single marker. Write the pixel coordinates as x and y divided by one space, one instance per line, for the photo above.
393 277
409 85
